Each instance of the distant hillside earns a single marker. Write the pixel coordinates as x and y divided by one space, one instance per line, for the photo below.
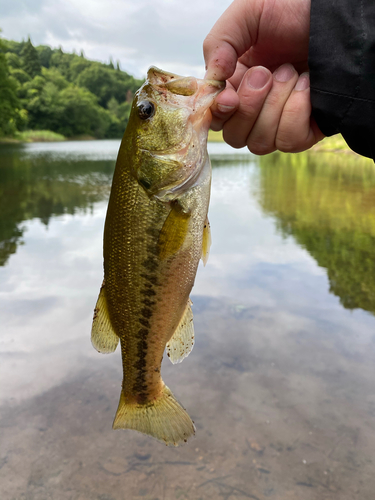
47 89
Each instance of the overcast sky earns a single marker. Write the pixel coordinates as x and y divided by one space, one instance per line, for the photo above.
138 33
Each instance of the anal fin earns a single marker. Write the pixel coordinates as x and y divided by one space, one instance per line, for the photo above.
103 337
182 341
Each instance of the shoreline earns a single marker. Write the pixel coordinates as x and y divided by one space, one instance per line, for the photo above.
334 144
31 136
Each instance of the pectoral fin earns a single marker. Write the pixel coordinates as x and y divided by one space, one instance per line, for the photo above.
174 231
206 241
182 341
103 337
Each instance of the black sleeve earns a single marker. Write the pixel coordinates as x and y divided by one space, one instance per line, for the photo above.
342 70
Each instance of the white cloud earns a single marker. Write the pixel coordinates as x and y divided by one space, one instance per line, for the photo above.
166 33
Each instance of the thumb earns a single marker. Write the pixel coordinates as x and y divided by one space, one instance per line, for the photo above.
232 35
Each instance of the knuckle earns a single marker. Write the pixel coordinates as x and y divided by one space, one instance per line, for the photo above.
216 125
273 101
233 140
290 136
288 145
207 44
261 140
260 148
208 41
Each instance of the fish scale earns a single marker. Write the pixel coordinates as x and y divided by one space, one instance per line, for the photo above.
155 229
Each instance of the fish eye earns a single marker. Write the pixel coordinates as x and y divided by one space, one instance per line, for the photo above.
146 109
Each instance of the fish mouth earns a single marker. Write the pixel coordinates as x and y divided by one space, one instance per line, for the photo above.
206 93
186 86
197 95
193 93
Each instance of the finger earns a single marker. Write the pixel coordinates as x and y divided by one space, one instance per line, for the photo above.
224 106
297 131
231 36
262 137
237 77
252 93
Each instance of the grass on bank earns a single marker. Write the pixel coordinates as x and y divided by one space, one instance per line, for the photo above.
39 136
33 136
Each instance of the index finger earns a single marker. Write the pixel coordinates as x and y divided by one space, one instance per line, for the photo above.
232 35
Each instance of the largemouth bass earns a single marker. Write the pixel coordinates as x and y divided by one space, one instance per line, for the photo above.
156 231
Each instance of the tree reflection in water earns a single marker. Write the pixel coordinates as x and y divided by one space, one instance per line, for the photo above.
327 203
42 186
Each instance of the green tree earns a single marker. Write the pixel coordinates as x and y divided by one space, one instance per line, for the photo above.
81 114
61 61
45 53
20 75
53 75
13 60
30 59
77 65
46 81
99 81
9 103
14 47
44 105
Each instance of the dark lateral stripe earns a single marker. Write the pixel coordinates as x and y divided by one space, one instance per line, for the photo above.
140 386
144 322
148 302
151 278
150 266
146 312
153 249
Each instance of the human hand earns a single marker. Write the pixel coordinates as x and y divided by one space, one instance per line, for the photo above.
258 46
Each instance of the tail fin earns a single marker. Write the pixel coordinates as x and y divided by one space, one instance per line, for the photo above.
164 419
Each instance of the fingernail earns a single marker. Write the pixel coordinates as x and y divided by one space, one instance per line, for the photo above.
284 73
303 82
257 77
225 109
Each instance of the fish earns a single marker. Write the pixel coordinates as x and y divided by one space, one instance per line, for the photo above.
156 231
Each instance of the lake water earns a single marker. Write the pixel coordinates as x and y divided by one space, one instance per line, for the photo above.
281 381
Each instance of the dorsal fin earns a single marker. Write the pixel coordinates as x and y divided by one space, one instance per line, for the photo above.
206 241
103 337
182 341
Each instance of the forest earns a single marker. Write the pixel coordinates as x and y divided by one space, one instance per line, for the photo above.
48 89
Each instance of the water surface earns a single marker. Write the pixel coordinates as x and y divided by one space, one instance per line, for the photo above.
280 383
